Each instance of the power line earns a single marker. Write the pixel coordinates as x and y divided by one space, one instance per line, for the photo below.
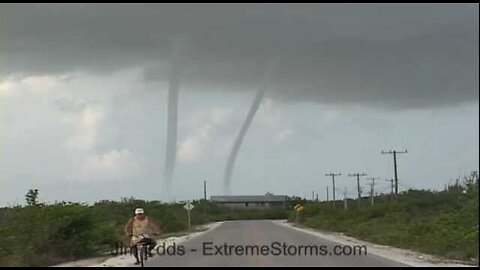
333 180
372 190
358 183
394 152
391 186
385 189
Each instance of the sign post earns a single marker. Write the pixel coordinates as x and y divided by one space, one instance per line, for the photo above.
188 206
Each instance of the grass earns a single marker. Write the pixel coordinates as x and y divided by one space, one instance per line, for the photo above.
42 235
438 223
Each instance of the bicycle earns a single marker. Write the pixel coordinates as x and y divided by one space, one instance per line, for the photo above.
142 253
142 248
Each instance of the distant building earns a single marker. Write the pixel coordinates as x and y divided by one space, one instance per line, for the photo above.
266 201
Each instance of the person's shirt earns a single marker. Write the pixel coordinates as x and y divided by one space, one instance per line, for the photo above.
140 226
136 227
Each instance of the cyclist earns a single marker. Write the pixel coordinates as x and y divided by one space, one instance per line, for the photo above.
138 228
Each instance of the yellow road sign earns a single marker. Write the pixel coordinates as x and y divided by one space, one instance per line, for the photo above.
298 207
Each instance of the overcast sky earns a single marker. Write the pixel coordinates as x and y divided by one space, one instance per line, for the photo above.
83 97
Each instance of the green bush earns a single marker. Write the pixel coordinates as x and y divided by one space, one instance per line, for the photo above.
440 223
42 235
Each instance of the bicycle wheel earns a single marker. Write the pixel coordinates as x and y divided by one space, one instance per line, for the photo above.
145 252
141 255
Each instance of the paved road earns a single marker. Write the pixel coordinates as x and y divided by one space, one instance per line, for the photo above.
258 233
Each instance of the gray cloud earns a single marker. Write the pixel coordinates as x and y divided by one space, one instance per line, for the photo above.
392 56
69 105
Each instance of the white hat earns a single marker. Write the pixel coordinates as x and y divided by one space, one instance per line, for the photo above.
139 211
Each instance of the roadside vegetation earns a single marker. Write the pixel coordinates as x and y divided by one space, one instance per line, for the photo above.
41 235
441 223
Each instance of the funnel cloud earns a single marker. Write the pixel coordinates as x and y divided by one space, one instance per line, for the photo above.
90 97
172 114
243 131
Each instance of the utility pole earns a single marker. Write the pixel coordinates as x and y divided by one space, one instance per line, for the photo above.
371 193
327 196
316 198
358 183
204 201
391 185
372 186
394 152
345 198
313 195
333 180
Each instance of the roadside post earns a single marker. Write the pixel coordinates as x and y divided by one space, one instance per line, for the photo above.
188 206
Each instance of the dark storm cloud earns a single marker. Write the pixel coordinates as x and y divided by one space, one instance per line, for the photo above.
384 55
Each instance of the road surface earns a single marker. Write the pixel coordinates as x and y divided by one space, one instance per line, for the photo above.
239 243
